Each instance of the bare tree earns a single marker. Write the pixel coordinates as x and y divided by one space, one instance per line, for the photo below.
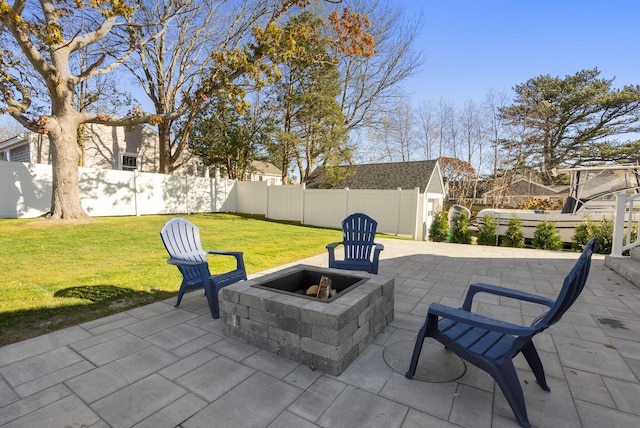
170 68
471 128
44 36
9 129
505 142
429 131
370 86
101 94
495 126
396 133
448 129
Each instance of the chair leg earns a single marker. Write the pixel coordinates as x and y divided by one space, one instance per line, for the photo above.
180 294
212 299
416 352
532 357
507 379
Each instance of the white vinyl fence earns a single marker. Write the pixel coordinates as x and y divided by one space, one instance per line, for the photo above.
26 193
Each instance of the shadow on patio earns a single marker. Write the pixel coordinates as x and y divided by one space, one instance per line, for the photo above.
157 365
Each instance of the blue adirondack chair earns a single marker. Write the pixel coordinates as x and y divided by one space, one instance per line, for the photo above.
181 238
360 252
491 344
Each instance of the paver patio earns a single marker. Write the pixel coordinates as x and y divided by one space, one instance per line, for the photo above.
160 366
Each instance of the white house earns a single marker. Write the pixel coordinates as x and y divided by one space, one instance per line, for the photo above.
106 147
264 171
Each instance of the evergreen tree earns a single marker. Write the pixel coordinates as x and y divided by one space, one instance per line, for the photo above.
602 231
513 237
488 231
572 119
439 227
312 121
583 233
546 236
461 234
223 138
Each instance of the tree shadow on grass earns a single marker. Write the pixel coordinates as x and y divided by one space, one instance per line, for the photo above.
96 301
107 293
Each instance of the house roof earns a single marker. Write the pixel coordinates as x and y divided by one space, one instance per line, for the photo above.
523 186
266 168
14 141
406 175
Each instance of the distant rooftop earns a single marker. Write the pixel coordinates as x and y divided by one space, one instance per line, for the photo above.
406 175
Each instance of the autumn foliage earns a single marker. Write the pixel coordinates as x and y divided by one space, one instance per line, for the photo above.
351 37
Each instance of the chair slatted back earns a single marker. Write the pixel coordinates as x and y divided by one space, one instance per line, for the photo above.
572 286
358 234
181 238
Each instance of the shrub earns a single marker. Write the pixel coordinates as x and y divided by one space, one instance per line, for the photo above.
604 236
602 231
460 234
439 227
488 231
546 237
513 237
583 234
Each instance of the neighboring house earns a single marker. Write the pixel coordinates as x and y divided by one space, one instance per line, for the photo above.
425 175
523 189
264 171
106 147
480 188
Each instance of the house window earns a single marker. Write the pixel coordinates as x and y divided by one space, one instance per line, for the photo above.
129 162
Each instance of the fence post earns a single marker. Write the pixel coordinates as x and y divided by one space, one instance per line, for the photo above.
419 214
135 193
304 192
618 225
212 193
186 193
266 209
399 189
346 190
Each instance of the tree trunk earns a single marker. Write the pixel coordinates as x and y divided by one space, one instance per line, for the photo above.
65 197
164 143
82 136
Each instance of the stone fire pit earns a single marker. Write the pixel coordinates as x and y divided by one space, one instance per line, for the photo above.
327 334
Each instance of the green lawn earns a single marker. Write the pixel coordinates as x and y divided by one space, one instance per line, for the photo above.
56 275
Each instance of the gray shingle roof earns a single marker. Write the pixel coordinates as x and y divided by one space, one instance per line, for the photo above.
406 175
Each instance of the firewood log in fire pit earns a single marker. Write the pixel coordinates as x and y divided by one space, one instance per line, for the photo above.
324 289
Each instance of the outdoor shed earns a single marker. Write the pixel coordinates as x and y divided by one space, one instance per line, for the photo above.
423 175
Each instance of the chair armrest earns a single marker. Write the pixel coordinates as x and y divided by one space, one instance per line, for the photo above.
333 245
237 254
183 262
505 292
331 250
376 256
470 318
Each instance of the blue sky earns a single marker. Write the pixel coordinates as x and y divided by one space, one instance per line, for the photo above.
472 47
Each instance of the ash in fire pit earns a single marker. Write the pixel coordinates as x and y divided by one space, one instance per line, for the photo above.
273 313
314 284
